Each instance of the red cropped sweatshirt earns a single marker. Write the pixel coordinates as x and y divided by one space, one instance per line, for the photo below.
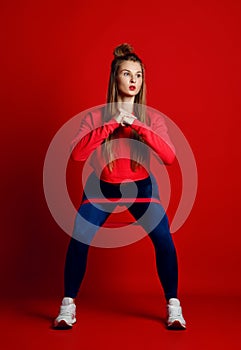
88 144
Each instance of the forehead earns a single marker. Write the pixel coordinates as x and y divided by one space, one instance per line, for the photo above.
130 65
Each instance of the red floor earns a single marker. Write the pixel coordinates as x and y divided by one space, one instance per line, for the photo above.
122 322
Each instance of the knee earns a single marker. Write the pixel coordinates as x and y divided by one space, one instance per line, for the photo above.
155 219
84 230
162 239
83 235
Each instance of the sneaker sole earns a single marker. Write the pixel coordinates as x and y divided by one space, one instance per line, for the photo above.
62 325
176 325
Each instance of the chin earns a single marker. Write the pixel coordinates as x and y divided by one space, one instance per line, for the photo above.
132 93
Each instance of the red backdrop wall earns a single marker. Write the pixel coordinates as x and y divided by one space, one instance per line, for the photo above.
55 63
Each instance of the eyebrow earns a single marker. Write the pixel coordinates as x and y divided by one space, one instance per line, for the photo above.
139 71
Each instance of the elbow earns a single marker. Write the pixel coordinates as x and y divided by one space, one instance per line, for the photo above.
170 157
76 156
73 154
170 154
170 160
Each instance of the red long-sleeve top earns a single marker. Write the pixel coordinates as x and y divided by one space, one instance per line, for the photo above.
93 132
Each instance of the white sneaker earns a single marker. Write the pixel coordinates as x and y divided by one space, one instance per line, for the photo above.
66 317
175 319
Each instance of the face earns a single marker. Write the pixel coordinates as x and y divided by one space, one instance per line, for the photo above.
129 78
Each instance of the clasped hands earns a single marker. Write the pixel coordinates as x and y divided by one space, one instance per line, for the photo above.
124 118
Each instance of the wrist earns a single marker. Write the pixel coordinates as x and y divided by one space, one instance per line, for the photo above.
129 120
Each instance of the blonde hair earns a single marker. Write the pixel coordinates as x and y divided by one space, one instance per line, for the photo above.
124 52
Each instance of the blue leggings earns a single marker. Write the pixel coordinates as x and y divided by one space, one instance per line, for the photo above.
91 217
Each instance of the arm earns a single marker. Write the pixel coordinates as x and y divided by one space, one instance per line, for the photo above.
92 134
156 137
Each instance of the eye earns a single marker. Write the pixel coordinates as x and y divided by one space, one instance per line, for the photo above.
126 74
139 75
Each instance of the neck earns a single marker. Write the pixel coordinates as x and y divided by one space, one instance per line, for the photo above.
126 103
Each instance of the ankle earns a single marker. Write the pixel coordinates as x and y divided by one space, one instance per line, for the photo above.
68 301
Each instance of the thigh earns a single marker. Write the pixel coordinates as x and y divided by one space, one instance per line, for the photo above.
150 216
89 219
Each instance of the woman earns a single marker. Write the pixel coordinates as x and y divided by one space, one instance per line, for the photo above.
118 139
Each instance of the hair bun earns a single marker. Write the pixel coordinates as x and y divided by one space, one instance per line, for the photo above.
123 50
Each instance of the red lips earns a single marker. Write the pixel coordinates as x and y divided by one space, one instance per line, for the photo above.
132 87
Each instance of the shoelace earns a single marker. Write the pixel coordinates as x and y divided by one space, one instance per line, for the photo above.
175 311
65 311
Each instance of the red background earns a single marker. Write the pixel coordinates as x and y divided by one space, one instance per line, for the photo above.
55 60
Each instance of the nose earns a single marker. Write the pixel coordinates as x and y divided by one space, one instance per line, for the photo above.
133 79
